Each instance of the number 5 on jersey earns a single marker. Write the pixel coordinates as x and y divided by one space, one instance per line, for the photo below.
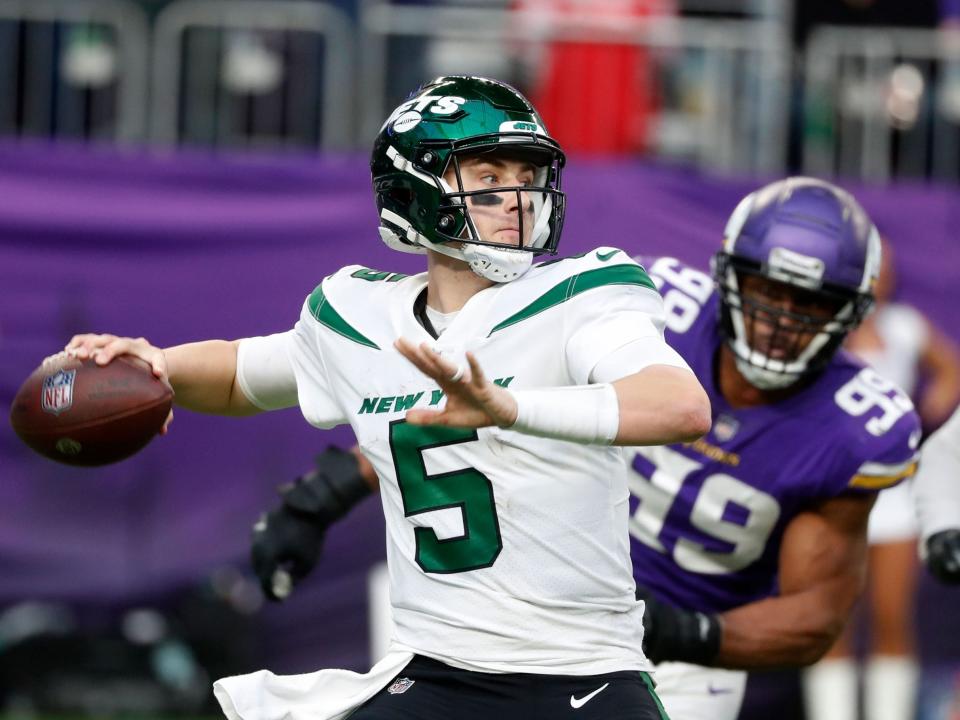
468 489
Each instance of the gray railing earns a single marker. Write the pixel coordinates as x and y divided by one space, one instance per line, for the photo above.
75 68
882 103
738 70
252 73
876 103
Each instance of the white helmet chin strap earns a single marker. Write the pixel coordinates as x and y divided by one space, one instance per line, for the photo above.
761 378
764 372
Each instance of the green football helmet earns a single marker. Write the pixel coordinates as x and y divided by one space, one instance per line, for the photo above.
427 136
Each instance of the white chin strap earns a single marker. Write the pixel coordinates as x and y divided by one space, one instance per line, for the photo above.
762 378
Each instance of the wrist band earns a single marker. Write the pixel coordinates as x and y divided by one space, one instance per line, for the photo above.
587 414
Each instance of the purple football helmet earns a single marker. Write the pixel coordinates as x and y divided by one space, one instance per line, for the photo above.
813 244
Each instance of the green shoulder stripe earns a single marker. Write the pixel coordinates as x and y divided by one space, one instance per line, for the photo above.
560 293
323 311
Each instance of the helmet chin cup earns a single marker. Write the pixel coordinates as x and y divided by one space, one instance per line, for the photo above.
500 265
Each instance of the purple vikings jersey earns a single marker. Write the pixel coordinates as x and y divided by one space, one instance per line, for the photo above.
707 517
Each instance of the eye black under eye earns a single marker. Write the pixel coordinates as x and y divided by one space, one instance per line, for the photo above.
488 199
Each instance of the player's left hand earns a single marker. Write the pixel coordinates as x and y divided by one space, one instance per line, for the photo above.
472 400
943 555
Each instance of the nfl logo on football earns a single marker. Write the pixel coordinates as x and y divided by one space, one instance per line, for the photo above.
400 686
57 394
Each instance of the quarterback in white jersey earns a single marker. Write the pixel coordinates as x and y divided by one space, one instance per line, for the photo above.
510 573
548 540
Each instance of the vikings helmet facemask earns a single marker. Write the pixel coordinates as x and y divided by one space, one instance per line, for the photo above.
445 125
816 256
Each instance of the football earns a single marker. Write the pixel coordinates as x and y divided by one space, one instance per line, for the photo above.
80 413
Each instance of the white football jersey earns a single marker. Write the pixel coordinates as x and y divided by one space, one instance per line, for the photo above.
937 486
507 552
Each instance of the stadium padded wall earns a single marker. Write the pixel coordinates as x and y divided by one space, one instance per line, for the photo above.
183 247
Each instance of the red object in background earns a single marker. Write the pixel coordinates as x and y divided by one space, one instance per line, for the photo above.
594 97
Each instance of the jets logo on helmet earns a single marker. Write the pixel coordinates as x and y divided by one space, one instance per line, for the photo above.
812 243
420 194
409 114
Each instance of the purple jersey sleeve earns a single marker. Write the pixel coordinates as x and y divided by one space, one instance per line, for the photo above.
879 431
708 517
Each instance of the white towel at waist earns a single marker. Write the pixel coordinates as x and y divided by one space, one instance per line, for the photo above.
322 695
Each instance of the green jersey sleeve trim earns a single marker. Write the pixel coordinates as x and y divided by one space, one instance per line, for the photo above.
323 312
572 286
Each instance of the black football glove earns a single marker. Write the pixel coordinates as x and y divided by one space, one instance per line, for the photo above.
943 555
287 540
673 634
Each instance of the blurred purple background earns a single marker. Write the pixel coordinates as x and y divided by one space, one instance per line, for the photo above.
184 247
